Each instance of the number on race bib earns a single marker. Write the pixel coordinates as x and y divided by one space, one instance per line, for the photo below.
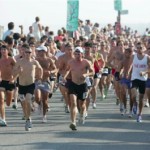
84 95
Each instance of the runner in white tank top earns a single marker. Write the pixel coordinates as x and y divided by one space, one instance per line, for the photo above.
140 64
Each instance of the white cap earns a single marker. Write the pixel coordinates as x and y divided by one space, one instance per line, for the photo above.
40 48
86 37
79 49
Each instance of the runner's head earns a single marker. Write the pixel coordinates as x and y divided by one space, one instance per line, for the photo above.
140 48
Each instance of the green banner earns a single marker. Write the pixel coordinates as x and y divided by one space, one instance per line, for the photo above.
72 15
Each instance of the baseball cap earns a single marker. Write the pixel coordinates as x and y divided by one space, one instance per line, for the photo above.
85 37
79 49
40 48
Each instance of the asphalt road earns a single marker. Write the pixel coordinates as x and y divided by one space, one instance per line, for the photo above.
105 129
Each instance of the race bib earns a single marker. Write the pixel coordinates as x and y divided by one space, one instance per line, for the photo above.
84 95
21 97
87 80
105 70
98 75
61 80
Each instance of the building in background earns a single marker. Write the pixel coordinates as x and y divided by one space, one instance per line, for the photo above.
1 31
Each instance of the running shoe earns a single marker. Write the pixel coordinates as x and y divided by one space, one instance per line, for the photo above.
44 119
73 127
130 114
103 96
48 108
146 104
86 115
14 106
81 120
139 118
121 107
94 105
106 91
28 125
123 111
67 109
3 123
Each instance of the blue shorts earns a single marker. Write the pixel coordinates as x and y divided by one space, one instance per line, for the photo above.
148 83
43 86
126 82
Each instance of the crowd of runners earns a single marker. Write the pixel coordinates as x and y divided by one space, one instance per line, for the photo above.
95 59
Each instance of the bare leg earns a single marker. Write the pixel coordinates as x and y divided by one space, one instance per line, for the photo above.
2 105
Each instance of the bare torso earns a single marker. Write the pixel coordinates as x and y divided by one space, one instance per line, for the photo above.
46 64
105 55
78 69
118 57
27 75
127 65
6 68
63 65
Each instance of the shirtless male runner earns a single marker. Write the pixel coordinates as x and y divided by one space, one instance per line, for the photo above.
114 62
79 68
6 84
103 84
62 65
126 66
89 80
26 69
43 88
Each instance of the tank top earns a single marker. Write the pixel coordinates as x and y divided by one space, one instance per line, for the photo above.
138 66
98 63
36 31
35 27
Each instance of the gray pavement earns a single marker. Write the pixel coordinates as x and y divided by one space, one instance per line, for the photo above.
104 129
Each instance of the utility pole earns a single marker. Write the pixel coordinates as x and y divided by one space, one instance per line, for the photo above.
119 17
118 8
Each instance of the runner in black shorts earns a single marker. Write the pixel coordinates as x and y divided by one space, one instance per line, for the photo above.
79 90
7 85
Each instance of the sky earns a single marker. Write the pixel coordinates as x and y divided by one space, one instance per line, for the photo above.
53 13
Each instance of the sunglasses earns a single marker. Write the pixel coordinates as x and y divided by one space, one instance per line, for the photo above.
139 47
32 45
28 52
